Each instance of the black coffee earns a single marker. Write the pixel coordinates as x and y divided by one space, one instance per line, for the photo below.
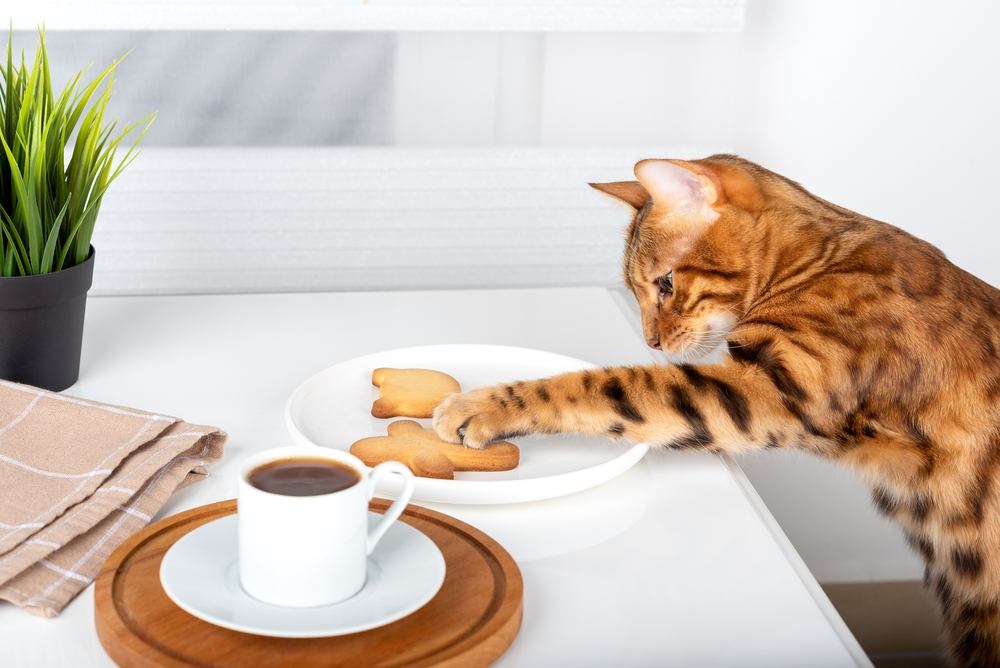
303 476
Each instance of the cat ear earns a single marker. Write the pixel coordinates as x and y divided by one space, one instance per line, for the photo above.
630 192
683 194
678 185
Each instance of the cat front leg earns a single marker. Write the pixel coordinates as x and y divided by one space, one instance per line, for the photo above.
558 404
730 407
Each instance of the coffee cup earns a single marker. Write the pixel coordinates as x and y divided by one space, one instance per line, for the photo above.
303 524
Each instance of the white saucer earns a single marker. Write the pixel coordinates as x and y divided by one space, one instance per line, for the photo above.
200 573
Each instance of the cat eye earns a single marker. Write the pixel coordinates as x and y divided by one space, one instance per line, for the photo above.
666 283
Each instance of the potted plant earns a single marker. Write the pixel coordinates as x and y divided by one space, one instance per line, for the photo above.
50 195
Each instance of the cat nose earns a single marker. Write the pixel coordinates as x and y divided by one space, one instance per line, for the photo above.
654 342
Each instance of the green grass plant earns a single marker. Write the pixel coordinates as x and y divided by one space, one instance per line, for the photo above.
48 206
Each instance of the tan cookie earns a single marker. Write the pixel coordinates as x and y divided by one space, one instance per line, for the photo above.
410 392
428 456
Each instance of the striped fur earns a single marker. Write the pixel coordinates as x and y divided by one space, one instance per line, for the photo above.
840 335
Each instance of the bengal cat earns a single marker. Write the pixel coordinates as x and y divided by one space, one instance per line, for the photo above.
830 332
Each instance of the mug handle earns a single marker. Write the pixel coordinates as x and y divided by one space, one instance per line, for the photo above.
393 512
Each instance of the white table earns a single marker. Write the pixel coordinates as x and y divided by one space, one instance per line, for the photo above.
675 563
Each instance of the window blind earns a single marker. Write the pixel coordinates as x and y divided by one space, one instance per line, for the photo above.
207 220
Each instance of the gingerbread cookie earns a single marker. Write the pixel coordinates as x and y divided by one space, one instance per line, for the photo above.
428 456
410 392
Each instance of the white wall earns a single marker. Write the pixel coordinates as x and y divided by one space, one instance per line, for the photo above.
827 514
889 108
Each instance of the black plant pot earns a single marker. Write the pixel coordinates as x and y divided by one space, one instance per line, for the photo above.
41 326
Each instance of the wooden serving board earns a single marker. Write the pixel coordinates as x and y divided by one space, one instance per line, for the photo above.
471 621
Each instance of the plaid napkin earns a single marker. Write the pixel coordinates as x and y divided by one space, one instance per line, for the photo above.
76 479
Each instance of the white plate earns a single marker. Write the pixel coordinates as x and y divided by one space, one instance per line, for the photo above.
200 573
333 409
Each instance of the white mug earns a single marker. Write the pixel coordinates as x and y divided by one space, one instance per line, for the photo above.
304 551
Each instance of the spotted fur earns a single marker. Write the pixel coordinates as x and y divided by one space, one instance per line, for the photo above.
832 333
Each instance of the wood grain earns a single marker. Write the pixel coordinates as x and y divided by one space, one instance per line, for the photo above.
471 621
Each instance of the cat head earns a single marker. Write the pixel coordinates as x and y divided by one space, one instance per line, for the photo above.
686 252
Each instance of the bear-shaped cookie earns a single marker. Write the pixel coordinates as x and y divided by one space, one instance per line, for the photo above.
410 392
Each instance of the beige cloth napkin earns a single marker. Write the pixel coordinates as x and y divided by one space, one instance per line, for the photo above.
76 479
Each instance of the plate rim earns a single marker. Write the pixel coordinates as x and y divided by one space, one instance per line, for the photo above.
515 489
253 630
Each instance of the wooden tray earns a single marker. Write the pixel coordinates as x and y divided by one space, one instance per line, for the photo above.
471 621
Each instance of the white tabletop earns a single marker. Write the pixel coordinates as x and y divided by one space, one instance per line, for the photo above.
677 562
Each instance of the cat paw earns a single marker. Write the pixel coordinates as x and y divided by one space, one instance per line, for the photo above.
474 419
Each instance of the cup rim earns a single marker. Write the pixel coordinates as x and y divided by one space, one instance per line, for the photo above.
290 451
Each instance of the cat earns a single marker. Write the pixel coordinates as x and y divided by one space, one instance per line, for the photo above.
829 332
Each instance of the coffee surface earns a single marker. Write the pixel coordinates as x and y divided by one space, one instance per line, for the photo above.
303 476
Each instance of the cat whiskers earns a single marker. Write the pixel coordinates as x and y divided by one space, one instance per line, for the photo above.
707 346
701 345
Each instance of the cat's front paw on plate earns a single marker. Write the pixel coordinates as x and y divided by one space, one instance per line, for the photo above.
474 419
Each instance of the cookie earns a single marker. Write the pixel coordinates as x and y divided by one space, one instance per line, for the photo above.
410 392
428 456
